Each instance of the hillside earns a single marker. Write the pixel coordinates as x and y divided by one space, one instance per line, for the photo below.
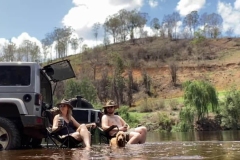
214 60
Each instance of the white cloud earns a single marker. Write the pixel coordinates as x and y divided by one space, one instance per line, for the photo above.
87 12
230 15
187 6
153 3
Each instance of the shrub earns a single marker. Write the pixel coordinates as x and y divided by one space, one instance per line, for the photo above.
123 111
230 110
164 121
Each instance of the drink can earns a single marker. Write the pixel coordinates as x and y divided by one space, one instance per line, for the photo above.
61 121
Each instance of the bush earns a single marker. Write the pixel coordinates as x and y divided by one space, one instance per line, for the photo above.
123 111
145 106
230 111
164 121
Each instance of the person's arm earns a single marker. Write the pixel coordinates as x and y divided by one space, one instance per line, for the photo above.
125 126
55 122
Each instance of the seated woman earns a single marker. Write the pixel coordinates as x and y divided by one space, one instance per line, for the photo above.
81 133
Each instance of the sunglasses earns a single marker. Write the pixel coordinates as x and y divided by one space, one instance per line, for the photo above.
110 107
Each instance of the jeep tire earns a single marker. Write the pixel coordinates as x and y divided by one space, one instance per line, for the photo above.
9 135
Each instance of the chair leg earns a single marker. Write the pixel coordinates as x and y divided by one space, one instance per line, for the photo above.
49 137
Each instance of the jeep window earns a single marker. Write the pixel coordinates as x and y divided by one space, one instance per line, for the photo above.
15 75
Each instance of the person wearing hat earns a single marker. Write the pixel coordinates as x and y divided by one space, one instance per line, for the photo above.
136 135
81 133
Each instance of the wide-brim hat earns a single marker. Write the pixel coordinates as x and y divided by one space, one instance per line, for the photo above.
66 102
110 103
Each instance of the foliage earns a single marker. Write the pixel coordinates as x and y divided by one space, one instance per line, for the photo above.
200 94
146 106
124 113
230 111
164 121
84 88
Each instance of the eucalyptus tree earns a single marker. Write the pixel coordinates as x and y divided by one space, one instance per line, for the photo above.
47 45
95 29
27 44
155 25
170 22
136 20
35 53
61 36
191 21
74 43
202 96
212 24
167 23
215 24
112 26
9 51
123 30
175 19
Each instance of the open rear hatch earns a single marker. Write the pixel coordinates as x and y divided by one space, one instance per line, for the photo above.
59 71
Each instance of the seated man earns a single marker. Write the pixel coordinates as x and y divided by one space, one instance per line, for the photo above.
136 135
81 133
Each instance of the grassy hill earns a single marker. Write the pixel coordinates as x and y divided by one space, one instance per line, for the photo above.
214 60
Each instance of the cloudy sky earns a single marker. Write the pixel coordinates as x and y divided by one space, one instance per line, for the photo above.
32 19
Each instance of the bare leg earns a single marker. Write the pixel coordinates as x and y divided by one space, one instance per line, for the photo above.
134 138
143 132
85 135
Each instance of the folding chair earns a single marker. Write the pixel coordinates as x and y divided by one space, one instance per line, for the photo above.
60 142
104 135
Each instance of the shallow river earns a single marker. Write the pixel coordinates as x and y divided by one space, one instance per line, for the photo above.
194 145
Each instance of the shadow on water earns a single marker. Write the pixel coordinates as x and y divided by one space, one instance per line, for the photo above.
193 145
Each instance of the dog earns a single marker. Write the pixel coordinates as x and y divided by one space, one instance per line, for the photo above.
119 140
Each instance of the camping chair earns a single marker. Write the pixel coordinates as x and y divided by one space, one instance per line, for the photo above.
104 135
66 141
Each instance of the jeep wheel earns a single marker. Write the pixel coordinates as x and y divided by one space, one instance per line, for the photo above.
9 135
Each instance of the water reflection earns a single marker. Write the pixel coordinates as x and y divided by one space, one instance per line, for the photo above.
193 145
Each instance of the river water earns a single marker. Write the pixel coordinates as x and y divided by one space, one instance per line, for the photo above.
192 145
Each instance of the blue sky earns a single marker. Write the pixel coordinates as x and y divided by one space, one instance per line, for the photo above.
32 19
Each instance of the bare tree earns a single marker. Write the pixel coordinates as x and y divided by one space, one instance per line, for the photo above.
173 70
229 32
191 21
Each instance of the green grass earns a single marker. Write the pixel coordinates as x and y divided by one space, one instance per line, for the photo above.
139 116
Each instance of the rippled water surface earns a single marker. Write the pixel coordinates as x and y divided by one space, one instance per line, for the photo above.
203 145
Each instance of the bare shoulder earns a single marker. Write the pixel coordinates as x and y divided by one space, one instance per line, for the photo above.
104 116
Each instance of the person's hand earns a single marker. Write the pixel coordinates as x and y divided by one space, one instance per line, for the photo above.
94 125
60 124
124 128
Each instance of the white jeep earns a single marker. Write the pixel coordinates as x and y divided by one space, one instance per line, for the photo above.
25 92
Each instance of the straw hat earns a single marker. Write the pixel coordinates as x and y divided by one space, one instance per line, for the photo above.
66 102
110 103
